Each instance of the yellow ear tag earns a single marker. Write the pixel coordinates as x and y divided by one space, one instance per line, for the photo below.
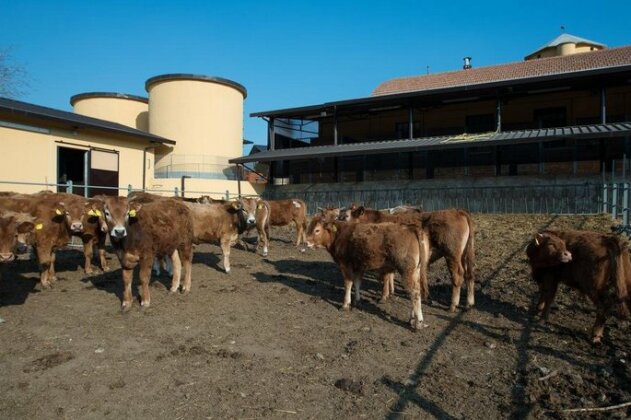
39 226
334 228
98 212
58 212
132 213
91 213
260 206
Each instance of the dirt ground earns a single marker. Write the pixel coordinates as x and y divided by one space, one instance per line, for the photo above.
269 340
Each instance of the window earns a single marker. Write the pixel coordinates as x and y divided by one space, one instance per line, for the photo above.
550 117
480 123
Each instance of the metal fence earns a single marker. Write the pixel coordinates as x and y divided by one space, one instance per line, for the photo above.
70 187
586 198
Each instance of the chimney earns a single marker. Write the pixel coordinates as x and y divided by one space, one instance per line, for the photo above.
467 63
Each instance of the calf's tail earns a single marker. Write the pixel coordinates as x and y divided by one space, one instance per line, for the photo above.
620 273
423 261
468 256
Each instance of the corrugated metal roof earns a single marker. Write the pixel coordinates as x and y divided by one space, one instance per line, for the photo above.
440 142
77 120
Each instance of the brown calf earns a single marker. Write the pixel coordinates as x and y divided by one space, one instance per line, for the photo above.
221 223
257 214
384 248
283 212
451 236
14 230
596 264
329 214
52 228
140 232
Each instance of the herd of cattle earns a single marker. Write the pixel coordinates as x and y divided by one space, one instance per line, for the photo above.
144 229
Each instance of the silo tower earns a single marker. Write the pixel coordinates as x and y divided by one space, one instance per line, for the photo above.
129 110
204 115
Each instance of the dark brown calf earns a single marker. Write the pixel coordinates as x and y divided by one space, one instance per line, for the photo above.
451 236
139 232
283 212
257 214
595 264
384 248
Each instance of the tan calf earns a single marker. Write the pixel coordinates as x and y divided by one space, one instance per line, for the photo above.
384 248
257 214
283 212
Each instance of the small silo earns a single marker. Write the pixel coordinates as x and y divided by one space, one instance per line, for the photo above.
204 115
121 108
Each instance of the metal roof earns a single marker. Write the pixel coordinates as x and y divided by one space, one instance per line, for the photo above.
440 142
14 107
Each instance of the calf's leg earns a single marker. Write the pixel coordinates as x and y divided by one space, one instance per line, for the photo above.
145 278
457 278
177 271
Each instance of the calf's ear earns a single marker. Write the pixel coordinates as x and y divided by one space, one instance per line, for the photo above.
134 208
538 238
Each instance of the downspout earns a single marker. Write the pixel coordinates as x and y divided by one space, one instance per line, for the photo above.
144 165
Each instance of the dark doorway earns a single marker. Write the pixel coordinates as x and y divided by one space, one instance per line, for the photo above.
72 166
103 172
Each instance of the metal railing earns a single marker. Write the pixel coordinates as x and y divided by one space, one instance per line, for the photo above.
71 187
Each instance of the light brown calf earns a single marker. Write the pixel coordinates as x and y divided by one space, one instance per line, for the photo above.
451 236
257 214
283 212
221 223
384 248
14 231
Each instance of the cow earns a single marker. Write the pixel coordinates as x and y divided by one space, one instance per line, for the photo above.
221 223
53 228
451 236
139 232
283 212
257 214
384 248
14 231
402 209
329 213
595 264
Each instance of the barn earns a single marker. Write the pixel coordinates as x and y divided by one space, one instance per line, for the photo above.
180 136
559 119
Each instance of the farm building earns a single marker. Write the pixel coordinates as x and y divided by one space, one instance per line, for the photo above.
562 116
181 135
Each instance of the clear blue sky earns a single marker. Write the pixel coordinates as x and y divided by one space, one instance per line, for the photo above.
286 53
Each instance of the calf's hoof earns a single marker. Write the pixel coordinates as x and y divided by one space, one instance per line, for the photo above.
345 308
145 304
227 270
106 269
46 286
383 300
174 289
453 308
125 307
597 339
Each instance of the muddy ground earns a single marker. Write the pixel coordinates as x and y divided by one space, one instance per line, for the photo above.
268 340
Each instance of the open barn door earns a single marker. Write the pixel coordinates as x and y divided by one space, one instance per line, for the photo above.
72 166
103 172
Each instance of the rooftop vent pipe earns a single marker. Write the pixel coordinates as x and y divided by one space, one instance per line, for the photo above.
467 63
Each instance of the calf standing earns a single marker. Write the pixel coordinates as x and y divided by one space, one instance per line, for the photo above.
283 212
140 232
597 265
221 223
384 248
257 214
451 236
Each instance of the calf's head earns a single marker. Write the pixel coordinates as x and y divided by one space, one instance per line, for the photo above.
250 206
547 250
320 233
119 213
330 213
14 231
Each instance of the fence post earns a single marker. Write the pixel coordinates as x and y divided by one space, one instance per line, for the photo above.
69 186
176 192
625 204
614 201
129 188
605 198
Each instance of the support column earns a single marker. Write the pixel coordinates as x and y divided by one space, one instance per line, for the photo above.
411 124
271 135
498 115
603 105
335 126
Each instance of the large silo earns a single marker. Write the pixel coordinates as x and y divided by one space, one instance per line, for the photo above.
204 115
129 110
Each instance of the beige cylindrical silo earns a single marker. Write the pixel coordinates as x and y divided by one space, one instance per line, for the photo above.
567 48
129 110
204 115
